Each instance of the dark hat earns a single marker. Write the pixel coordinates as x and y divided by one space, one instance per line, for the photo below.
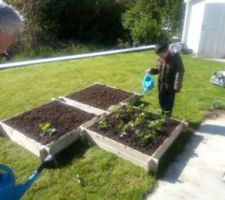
161 47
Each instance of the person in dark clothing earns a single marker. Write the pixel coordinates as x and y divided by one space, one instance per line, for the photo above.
171 71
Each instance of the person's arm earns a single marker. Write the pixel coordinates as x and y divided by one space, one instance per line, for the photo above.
154 70
179 73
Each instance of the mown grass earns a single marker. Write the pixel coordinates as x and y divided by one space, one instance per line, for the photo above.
105 176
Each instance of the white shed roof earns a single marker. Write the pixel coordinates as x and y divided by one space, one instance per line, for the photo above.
204 27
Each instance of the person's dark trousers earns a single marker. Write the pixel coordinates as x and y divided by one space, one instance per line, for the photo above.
166 101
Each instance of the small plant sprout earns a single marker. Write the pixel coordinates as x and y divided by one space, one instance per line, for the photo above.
164 114
140 118
113 109
129 125
121 125
139 133
144 138
129 107
126 128
156 124
123 134
142 106
103 124
47 129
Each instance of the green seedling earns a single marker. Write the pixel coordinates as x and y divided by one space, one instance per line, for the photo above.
113 109
121 125
129 108
127 128
103 124
123 134
152 135
143 138
129 125
164 114
156 124
140 118
142 106
139 133
47 129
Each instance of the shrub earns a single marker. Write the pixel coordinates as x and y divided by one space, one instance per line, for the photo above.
151 21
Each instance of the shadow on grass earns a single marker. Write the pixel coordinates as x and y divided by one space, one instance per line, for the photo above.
73 152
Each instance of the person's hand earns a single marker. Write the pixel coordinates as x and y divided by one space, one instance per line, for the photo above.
147 70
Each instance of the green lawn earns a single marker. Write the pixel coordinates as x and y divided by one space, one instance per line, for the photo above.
105 176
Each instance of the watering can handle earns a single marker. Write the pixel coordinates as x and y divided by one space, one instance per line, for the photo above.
6 169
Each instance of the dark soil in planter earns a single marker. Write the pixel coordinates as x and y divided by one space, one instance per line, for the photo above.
62 117
130 139
100 96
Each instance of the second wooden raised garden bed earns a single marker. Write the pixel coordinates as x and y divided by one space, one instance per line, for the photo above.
135 135
99 98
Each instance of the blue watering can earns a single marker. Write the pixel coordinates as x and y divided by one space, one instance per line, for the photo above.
8 188
148 83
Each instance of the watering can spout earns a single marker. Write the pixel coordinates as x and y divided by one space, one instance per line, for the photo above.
48 163
22 188
8 188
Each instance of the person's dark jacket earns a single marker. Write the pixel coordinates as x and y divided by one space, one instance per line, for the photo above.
170 72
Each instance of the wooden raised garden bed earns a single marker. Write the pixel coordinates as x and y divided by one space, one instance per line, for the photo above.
135 135
46 129
99 98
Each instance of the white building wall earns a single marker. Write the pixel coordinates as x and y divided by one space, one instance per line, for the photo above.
200 38
212 43
195 26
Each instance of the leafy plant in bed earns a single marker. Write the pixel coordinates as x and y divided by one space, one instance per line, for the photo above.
137 128
46 129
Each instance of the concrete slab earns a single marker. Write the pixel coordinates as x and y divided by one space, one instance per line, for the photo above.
198 171
217 60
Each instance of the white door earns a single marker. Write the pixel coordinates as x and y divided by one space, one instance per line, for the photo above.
195 26
212 42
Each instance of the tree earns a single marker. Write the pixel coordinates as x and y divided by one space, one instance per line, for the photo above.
87 21
150 21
